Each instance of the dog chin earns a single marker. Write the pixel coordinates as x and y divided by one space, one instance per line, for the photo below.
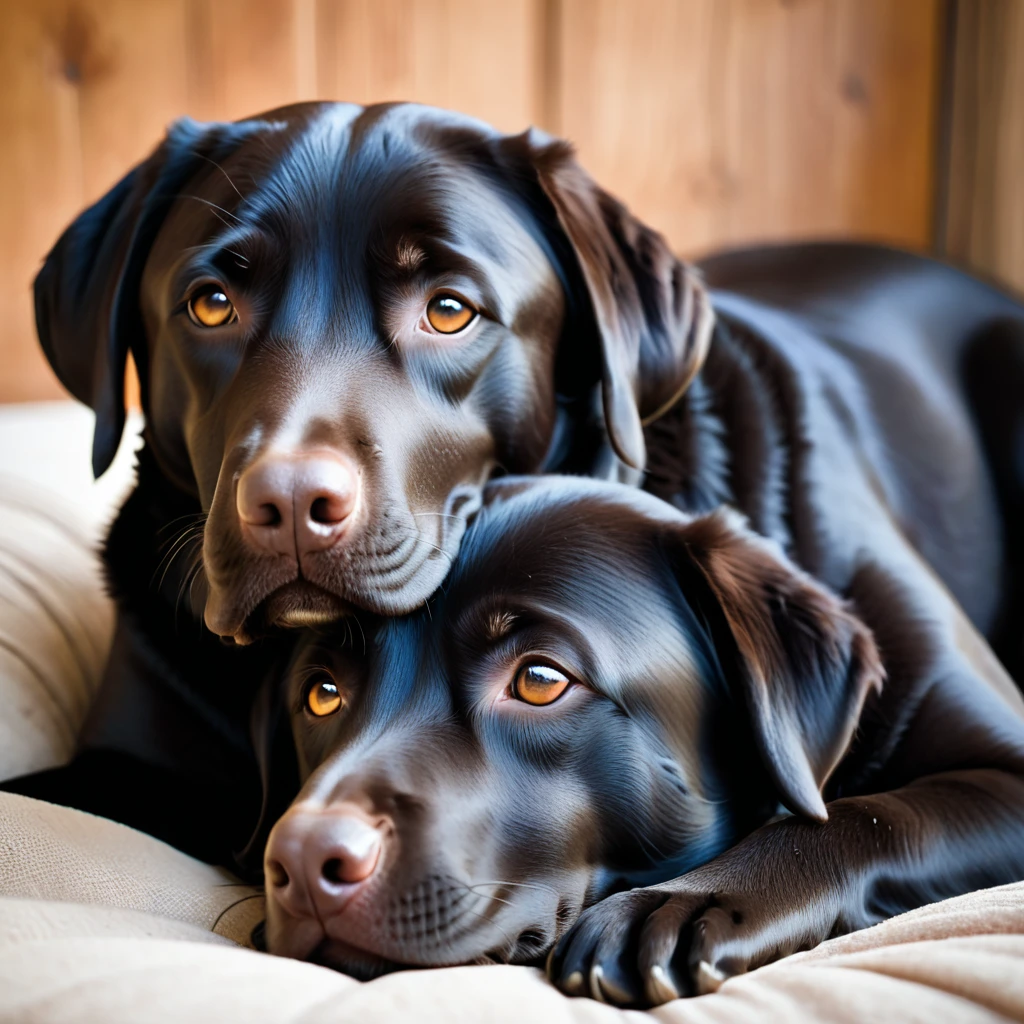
351 960
299 605
296 605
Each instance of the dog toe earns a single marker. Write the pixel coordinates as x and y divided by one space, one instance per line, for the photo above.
598 957
660 949
720 948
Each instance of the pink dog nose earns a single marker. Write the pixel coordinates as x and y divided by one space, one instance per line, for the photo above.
295 504
316 859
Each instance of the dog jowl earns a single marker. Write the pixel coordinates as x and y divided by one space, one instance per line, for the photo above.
345 320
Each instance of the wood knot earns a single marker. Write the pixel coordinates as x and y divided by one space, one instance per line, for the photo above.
853 89
75 38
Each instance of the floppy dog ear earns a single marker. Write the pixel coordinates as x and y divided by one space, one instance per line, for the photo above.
87 293
651 310
805 663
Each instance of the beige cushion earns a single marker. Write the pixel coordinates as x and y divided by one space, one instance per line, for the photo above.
99 923
55 853
25 920
119 966
55 620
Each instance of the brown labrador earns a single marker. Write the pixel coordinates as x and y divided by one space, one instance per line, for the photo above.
347 319
646 742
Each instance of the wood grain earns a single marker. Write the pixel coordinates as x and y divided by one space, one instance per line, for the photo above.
984 207
245 57
480 58
719 121
132 85
40 178
725 121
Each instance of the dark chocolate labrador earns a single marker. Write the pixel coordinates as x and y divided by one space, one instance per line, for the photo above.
345 320
610 695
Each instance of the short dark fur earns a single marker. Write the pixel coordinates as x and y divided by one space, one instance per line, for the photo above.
303 215
861 406
717 685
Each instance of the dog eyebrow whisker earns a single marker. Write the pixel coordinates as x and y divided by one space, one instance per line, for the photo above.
243 260
499 624
210 160
408 255
214 207
361 633
218 247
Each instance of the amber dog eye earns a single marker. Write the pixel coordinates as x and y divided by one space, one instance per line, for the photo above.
211 308
539 684
448 314
322 696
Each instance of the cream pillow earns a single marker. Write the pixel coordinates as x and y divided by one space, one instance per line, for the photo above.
56 621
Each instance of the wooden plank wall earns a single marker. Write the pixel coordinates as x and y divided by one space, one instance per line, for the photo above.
729 120
719 121
983 224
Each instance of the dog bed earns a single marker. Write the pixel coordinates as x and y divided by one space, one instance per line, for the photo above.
99 923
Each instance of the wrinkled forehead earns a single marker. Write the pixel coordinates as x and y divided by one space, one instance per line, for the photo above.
410 186
365 171
583 559
545 534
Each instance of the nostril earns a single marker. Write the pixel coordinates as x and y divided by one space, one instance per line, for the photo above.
263 514
320 511
332 871
277 874
331 509
269 515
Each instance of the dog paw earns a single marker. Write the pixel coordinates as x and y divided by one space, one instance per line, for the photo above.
649 946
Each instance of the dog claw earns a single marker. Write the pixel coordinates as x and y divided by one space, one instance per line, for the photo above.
609 991
659 986
709 978
573 985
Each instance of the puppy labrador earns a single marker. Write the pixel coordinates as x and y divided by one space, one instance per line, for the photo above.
644 741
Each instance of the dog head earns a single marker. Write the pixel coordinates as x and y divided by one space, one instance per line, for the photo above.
345 319
605 693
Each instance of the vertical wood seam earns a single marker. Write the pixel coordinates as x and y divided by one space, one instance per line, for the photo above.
548 78
951 19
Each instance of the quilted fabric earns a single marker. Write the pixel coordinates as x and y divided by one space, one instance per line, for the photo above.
25 920
54 853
